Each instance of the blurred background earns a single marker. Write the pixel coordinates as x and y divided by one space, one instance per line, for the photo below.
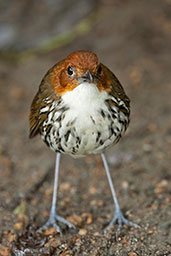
132 38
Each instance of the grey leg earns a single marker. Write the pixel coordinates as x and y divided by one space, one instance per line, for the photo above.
118 216
53 215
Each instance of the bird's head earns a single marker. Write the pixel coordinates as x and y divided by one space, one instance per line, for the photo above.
77 68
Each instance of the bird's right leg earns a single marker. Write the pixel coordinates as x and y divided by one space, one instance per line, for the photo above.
54 217
118 215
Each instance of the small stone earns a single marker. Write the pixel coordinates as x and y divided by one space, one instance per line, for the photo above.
150 232
85 196
96 234
164 183
45 213
125 185
65 202
87 217
136 76
53 242
147 147
48 192
82 232
11 237
4 251
154 207
100 203
66 253
132 254
93 202
49 231
100 219
65 186
159 187
93 190
18 226
152 127
24 218
75 219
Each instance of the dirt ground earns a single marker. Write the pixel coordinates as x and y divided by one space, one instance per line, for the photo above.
133 39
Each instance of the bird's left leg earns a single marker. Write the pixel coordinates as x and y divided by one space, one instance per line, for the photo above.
118 215
54 217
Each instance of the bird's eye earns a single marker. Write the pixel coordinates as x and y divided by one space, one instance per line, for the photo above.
99 70
70 71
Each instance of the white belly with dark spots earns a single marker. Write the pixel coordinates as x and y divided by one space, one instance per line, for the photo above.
87 126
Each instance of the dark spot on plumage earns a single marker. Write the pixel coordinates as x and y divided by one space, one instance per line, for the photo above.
60 148
113 110
98 136
47 143
78 140
117 129
92 120
47 128
123 109
63 116
118 138
57 140
99 70
102 113
101 142
73 150
59 119
122 122
67 135
114 116
112 130
70 123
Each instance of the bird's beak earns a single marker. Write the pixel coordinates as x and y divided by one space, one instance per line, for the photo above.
87 77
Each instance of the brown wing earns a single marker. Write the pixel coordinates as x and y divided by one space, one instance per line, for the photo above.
117 91
44 98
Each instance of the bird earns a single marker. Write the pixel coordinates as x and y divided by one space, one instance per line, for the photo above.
80 109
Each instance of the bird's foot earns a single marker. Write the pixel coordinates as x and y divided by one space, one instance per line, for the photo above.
53 218
119 218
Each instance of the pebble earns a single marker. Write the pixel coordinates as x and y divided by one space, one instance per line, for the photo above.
125 185
49 231
100 203
65 186
75 219
82 232
66 253
150 232
147 147
93 190
159 187
11 237
136 76
53 242
18 226
88 217
132 254
96 234
152 127
24 218
4 251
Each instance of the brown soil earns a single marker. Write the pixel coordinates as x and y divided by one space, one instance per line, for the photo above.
133 39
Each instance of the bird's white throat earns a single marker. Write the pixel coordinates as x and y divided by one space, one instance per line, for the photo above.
85 97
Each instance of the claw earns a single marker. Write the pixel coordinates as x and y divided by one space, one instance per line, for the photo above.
52 223
118 217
